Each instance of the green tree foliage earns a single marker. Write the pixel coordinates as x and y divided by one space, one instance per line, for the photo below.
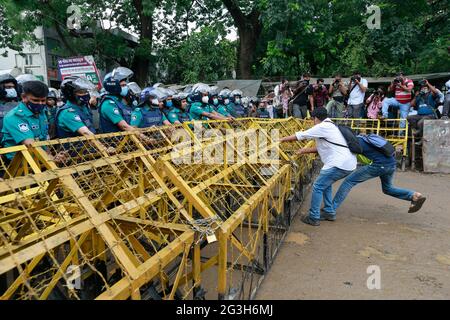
184 40
325 37
204 56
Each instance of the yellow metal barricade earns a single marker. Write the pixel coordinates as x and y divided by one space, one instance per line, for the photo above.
125 215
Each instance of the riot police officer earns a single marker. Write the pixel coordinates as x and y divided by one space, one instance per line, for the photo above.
52 99
9 96
115 112
149 113
238 110
200 108
180 111
261 111
27 122
75 117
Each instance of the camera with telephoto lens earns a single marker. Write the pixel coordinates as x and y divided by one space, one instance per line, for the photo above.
423 83
397 80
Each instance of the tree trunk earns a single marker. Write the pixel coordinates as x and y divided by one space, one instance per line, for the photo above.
141 62
245 55
249 30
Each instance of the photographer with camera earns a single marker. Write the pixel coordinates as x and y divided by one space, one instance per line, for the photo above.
319 97
337 91
402 87
425 103
357 91
301 97
374 103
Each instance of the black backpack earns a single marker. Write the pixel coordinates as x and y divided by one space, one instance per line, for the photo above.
351 139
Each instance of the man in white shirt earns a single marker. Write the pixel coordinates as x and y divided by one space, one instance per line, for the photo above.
338 162
357 90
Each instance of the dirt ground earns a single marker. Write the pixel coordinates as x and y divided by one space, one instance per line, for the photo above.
331 261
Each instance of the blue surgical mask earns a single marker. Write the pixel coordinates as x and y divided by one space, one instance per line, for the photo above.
216 101
237 100
124 91
36 107
169 104
83 100
11 93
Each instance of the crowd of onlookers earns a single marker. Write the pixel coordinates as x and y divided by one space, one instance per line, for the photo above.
354 99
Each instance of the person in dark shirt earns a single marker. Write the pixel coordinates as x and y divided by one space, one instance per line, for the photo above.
383 167
301 96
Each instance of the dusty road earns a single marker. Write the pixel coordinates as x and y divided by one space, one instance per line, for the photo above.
331 261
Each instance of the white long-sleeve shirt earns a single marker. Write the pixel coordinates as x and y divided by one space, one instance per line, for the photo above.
330 154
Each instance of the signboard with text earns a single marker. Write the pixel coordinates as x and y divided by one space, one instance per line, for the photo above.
79 66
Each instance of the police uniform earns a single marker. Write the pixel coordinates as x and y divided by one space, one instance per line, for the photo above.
178 115
197 108
5 107
70 118
146 117
262 113
21 124
221 109
239 111
112 111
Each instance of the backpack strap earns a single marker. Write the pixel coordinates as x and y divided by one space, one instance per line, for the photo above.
336 144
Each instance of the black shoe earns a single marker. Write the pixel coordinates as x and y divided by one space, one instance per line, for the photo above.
311 222
327 217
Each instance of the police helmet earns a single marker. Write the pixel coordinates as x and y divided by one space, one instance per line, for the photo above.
52 94
236 92
225 93
147 95
198 90
134 88
112 80
5 78
73 84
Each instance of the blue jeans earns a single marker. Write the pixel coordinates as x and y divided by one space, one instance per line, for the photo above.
365 173
392 102
322 189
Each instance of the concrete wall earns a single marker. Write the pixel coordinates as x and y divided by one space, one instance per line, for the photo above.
436 146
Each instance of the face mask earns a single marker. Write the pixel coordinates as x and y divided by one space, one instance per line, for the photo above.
11 93
216 101
59 104
155 102
237 100
169 104
205 99
36 107
183 105
124 91
226 101
83 100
